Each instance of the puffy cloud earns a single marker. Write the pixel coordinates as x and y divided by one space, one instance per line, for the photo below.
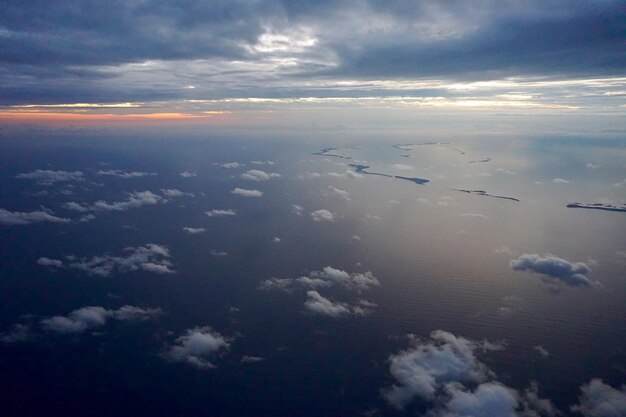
491 399
296 209
197 346
601 400
258 175
43 261
560 270
421 370
188 174
230 165
86 318
262 162
19 333
14 218
194 230
247 193
136 199
341 193
323 215
330 276
124 174
220 213
174 192
283 284
150 257
323 306
276 240
49 177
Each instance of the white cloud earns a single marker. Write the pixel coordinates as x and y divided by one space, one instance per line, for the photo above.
251 359
542 351
124 174
150 257
560 270
87 218
72 205
591 165
330 276
491 399
90 317
220 213
174 192
341 193
421 370
504 171
282 284
601 400
258 175
323 215
560 181
246 193
194 230
50 262
197 346
188 174
214 252
262 162
296 209
230 165
320 305
620 184
49 177
14 218
276 240
402 167
136 199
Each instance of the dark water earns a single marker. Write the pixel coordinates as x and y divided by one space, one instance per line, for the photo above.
441 256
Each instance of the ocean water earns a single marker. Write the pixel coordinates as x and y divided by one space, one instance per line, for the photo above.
441 258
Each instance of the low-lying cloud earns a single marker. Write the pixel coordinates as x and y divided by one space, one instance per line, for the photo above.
555 269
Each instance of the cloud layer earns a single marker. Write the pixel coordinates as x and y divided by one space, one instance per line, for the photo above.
556 269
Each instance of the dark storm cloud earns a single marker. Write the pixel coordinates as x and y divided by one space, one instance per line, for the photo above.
81 51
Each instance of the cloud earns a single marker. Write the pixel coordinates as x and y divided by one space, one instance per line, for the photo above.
135 199
188 174
491 399
446 374
197 347
320 305
74 206
230 165
220 213
282 284
214 252
258 175
296 209
19 333
542 351
194 230
85 318
251 359
49 177
601 400
475 216
323 215
246 193
125 174
174 192
573 274
402 167
330 276
341 193
150 257
424 368
560 181
262 162
14 218
50 262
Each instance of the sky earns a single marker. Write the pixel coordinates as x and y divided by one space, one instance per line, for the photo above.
218 61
